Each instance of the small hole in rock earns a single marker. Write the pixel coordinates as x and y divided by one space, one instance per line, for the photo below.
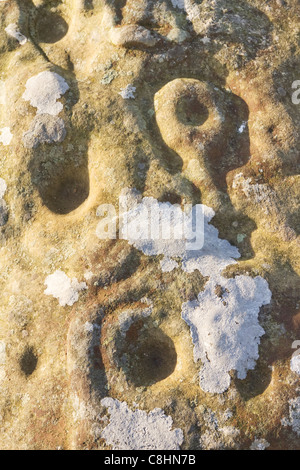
66 194
50 27
190 111
151 355
271 129
28 361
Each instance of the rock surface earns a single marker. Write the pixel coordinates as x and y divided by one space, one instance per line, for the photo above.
178 102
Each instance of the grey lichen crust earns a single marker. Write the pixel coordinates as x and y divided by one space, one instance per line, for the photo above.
225 329
45 129
138 430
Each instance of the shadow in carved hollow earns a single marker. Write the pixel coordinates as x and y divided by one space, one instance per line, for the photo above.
59 171
191 112
43 25
28 361
67 192
146 354
48 27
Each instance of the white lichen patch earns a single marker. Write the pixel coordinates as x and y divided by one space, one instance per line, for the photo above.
162 228
5 136
13 31
139 430
259 444
225 328
45 129
43 91
294 416
295 364
155 229
128 92
66 290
